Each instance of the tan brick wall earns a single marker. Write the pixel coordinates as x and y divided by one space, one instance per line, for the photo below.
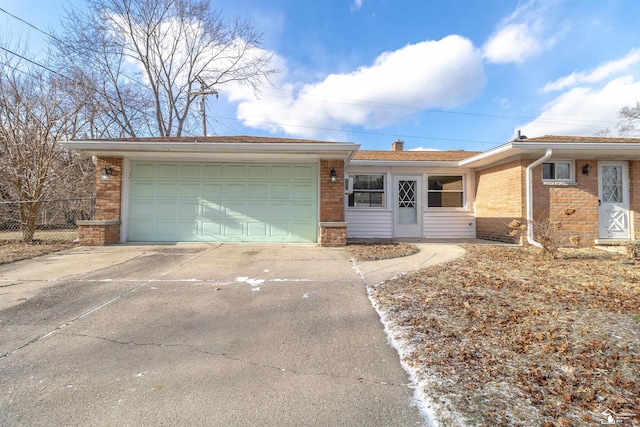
109 193
108 206
331 193
499 199
551 201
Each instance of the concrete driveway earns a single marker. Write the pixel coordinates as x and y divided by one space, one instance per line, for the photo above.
197 334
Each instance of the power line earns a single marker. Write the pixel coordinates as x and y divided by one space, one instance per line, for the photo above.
365 132
57 73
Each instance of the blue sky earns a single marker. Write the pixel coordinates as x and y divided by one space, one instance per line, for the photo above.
436 74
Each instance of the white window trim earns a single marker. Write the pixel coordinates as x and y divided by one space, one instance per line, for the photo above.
441 208
384 193
572 172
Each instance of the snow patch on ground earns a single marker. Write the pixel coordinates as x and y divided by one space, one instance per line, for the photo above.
252 282
427 406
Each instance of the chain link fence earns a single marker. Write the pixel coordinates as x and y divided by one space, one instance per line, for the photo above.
44 221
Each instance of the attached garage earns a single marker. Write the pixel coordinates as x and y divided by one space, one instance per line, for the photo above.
223 202
217 189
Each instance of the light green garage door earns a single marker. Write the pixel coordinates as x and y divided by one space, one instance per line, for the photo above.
223 202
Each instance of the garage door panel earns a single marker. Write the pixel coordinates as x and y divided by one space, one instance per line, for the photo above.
301 211
257 229
304 192
212 230
258 191
143 189
223 202
258 172
235 191
190 171
144 170
166 209
280 172
280 191
212 191
189 209
235 172
189 191
167 171
212 171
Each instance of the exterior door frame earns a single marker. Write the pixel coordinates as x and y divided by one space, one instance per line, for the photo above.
400 227
613 216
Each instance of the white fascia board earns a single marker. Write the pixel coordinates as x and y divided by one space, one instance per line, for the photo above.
590 146
494 154
402 163
127 148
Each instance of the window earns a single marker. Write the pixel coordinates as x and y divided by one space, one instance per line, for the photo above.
445 191
557 171
368 191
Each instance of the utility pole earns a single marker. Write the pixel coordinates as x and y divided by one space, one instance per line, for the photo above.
202 106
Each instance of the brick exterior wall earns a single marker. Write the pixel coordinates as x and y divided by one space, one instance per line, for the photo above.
332 204
333 235
331 193
105 228
499 199
555 201
98 233
109 193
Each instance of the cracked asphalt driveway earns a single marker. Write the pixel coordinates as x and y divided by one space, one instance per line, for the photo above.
195 334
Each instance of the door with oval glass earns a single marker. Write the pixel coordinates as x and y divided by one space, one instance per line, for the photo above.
613 192
407 206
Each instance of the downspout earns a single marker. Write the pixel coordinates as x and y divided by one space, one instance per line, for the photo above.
529 179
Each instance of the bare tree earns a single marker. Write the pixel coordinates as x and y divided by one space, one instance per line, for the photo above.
145 59
37 109
629 118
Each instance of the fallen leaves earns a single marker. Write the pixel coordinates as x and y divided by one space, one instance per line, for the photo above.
379 251
561 337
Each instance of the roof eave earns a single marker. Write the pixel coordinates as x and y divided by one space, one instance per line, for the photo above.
405 163
130 149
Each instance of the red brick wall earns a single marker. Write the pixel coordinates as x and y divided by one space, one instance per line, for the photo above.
98 234
499 200
333 236
109 193
331 193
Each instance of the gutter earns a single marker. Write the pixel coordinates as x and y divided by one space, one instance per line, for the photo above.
529 182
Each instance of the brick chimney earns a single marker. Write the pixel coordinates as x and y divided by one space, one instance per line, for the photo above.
397 145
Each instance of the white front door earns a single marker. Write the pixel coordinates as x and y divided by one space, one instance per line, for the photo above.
613 192
407 206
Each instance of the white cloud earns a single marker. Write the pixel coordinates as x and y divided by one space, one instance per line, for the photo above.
519 36
512 43
582 111
357 4
430 74
598 74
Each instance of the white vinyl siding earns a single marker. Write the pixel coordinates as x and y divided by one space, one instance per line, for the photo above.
450 224
369 224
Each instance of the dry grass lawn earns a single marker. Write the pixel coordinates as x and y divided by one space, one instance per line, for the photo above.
503 337
14 251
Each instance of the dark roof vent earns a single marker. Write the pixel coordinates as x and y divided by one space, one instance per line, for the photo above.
519 136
